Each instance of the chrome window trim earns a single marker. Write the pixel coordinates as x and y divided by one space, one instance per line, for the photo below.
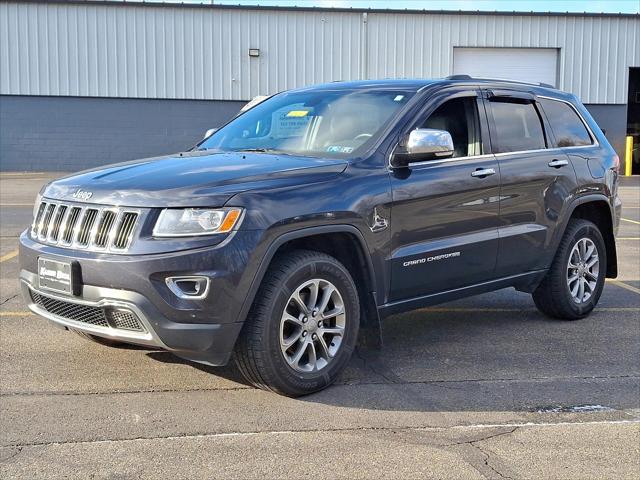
594 139
444 160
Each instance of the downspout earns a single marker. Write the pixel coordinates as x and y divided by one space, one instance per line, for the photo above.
364 48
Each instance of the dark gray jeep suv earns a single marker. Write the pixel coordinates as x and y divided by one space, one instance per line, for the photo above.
284 237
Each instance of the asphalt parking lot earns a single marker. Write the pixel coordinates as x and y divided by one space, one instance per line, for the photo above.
481 388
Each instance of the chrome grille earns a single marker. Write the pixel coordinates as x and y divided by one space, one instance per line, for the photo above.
85 226
107 317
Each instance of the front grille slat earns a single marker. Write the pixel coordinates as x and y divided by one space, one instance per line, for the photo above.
85 226
57 222
35 227
46 219
104 228
70 225
125 230
106 317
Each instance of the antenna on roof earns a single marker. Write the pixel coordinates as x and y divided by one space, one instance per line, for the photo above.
459 77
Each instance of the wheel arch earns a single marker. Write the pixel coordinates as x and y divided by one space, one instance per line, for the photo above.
345 243
596 209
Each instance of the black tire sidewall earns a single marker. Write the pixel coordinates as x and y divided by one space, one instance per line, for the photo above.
303 382
584 230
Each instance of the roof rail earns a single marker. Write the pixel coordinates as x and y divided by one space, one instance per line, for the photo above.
469 77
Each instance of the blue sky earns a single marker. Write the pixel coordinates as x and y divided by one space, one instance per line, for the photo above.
609 6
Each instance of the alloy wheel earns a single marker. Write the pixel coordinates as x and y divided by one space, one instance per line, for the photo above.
312 326
582 270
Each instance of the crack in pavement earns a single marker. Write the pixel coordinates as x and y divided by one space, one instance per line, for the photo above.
474 443
13 455
487 456
425 428
8 299
390 381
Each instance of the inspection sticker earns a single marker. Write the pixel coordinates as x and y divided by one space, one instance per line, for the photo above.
339 149
298 113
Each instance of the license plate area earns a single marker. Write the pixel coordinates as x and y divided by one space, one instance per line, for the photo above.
55 276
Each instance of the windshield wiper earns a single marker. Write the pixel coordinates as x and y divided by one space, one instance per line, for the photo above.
259 150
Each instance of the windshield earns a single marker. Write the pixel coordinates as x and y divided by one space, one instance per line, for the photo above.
335 123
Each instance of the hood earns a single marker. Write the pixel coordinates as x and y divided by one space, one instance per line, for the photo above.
192 179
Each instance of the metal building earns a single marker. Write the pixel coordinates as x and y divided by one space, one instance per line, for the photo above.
89 83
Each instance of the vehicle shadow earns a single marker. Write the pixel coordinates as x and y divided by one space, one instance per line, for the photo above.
491 359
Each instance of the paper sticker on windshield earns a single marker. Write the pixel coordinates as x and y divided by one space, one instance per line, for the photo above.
339 149
298 113
398 98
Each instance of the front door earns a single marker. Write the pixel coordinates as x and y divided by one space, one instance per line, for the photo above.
444 216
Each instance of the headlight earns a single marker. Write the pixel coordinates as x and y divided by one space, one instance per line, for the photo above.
188 222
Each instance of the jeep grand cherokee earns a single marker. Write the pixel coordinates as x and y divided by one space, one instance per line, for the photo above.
284 237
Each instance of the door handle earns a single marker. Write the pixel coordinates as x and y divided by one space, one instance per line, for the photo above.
483 172
558 163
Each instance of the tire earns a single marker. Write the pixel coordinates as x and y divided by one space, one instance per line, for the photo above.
101 340
268 349
554 296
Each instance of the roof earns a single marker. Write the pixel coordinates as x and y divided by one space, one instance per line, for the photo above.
158 3
415 84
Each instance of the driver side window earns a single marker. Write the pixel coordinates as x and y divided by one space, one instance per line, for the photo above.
460 118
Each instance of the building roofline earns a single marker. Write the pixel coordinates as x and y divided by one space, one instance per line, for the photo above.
155 3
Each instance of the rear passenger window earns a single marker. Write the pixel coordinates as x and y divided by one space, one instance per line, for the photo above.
518 127
566 124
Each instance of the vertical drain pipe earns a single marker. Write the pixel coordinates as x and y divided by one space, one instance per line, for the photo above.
364 48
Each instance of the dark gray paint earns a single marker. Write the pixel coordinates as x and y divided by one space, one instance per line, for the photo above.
74 133
613 119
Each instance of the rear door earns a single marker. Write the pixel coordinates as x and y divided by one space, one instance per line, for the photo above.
537 180
444 217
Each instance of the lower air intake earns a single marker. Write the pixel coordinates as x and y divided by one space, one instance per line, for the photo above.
107 317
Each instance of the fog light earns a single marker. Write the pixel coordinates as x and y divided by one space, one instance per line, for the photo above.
191 287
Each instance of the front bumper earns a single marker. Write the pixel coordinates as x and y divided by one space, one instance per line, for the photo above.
203 330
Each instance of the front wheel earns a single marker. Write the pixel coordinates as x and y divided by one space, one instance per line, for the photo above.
573 285
303 326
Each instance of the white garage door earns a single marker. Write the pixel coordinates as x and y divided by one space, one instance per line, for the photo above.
522 64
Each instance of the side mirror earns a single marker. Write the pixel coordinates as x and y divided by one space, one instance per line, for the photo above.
209 132
422 144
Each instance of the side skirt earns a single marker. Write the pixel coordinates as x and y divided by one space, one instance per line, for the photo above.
525 282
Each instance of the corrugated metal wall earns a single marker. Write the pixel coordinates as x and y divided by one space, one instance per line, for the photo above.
145 51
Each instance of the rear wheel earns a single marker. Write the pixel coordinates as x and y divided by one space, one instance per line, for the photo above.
302 327
572 287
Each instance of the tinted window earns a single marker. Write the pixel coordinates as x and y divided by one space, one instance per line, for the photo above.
518 127
459 117
566 124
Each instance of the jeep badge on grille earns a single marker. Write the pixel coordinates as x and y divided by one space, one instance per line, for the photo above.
82 195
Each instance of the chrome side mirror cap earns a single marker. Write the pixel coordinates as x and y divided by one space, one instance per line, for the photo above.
423 144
